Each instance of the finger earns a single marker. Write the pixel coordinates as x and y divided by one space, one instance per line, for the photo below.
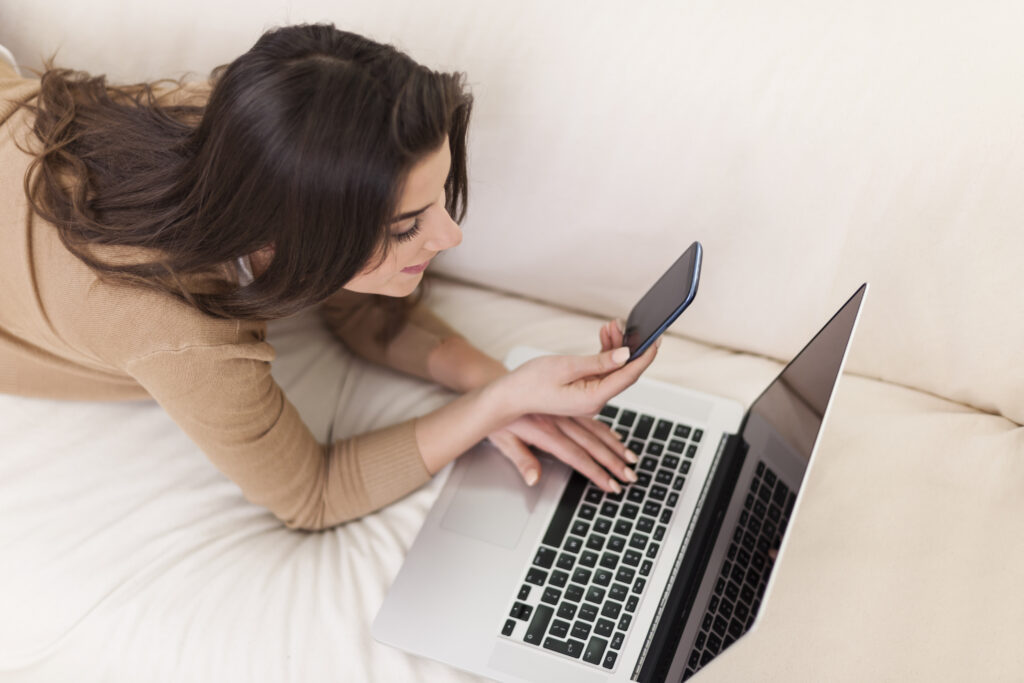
617 331
609 436
606 339
572 454
598 450
525 461
602 363
617 381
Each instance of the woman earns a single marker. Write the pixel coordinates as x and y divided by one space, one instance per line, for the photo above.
150 235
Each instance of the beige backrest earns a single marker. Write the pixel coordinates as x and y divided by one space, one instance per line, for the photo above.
810 147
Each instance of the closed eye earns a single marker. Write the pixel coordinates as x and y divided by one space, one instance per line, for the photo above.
410 233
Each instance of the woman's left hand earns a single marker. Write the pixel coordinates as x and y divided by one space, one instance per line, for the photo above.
590 447
587 445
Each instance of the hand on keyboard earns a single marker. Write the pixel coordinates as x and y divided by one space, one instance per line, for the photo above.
587 445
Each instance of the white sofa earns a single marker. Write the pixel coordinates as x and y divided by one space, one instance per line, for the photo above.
809 146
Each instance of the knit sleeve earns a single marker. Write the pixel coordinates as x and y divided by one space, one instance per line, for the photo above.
355 319
224 398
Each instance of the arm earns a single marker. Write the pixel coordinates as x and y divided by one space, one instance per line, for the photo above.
426 347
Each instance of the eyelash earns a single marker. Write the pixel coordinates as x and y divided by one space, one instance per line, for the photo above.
410 233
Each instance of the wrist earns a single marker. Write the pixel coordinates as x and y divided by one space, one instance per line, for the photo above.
502 398
457 364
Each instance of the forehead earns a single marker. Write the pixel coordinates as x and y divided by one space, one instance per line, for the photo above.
426 179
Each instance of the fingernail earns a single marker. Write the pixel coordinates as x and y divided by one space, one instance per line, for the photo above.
620 355
617 435
631 456
614 485
531 477
621 324
629 475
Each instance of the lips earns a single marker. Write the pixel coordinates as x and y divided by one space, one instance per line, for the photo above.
416 269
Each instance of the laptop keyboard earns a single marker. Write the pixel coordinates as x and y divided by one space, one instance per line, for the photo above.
590 571
746 568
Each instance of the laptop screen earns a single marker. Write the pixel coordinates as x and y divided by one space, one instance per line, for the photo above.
786 418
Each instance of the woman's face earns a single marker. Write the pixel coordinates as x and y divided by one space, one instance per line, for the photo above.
421 230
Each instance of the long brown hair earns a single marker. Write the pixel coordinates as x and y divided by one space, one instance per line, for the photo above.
304 144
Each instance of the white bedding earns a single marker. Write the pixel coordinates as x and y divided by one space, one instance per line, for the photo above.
125 556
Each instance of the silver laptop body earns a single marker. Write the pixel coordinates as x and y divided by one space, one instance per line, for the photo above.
548 583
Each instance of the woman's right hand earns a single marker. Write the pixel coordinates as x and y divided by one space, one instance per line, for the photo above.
573 385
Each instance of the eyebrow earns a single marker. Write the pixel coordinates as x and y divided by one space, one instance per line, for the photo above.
410 214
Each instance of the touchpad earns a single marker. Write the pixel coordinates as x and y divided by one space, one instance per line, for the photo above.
492 502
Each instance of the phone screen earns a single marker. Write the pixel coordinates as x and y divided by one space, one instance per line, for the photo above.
663 302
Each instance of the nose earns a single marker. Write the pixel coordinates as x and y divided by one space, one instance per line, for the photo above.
446 233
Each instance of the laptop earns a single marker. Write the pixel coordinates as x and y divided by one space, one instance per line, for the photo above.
564 582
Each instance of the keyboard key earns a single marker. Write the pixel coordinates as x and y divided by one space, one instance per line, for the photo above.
573 544
736 628
524 592
625 575
580 630
559 628
657 493
587 511
642 480
666 515
643 427
580 528
691 451
539 624
551 596
632 558
623 527
618 592
638 586
564 511
609 510
588 558
588 612
574 592
636 446
595 650
654 448
581 576
682 431
537 577
570 647
652 550
616 544
685 467
609 411
595 594
645 524
645 568
630 511
720 626
521 611
663 476
627 418
611 610
558 578
673 498
609 561
632 603
624 621
648 464
697 434
593 495
602 577
676 446
604 628
595 541
651 508
623 433
636 494
638 541
510 625
678 483
659 533
617 640
566 611
565 561
714 645
609 660
545 557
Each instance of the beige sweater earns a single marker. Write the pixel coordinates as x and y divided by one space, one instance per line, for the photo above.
66 334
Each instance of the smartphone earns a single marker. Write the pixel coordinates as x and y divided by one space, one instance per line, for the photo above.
663 302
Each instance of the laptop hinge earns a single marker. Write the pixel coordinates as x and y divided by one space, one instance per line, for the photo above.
696 553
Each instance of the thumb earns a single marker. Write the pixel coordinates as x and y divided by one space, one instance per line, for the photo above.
521 456
599 363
